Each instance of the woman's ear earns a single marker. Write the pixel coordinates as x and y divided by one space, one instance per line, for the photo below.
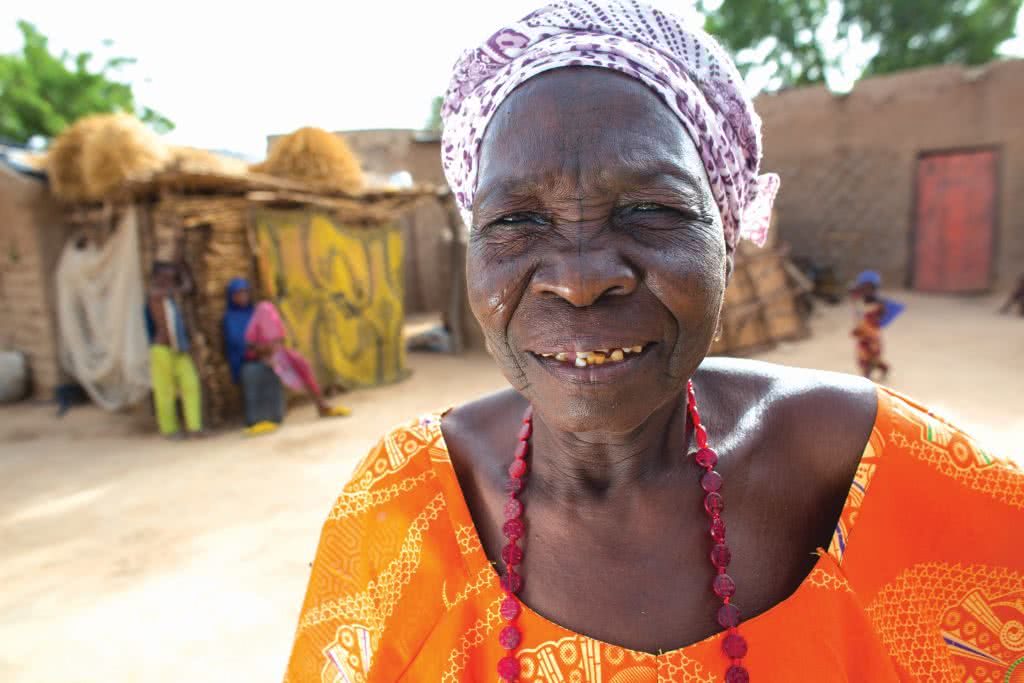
730 263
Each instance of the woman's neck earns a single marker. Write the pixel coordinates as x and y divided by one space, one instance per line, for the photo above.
572 467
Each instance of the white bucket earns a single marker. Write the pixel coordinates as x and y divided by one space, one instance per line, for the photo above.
13 376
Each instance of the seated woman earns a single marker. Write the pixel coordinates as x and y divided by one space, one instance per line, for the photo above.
631 510
254 344
263 396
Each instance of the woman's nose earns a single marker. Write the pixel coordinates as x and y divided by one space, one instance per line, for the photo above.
583 279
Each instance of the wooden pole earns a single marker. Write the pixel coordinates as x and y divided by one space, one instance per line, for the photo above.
457 286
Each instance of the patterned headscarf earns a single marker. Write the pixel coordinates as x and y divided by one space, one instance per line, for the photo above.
683 64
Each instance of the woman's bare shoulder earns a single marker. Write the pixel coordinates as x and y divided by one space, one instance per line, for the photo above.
813 412
476 429
789 390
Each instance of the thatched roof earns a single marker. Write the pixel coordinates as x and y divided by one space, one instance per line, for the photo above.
315 156
187 182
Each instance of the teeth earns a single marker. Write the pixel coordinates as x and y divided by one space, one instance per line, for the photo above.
582 359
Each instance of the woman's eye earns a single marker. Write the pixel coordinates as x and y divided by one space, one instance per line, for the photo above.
517 218
647 207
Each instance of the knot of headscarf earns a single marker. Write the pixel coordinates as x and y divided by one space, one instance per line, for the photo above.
683 64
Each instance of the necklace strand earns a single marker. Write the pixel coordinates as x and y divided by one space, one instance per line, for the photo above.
734 645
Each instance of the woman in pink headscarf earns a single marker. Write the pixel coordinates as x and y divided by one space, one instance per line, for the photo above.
266 336
630 509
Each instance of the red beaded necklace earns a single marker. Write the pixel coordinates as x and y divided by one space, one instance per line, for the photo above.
734 646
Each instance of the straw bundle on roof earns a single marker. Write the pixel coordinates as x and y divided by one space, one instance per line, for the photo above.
314 156
192 160
119 148
64 160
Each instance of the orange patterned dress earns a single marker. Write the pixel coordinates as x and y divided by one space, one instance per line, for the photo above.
924 579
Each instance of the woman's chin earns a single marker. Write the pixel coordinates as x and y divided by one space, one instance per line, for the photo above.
616 414
615 396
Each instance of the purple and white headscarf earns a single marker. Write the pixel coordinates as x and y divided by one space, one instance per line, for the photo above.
681 63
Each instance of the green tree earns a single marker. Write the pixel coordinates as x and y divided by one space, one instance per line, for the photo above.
434 122
41 93
792 35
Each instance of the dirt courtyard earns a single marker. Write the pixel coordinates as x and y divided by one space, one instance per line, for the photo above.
128 558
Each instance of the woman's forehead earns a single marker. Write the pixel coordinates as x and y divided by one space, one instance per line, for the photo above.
584 125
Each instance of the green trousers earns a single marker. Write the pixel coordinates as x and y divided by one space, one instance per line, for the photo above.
173 375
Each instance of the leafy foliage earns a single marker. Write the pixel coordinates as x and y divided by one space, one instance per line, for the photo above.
908 33
42 93
434 122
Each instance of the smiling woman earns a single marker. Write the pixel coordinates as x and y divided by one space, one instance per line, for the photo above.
574 527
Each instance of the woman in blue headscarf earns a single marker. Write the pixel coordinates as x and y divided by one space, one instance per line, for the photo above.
236 321
262 392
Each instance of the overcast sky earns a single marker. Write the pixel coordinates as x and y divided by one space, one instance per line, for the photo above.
230 73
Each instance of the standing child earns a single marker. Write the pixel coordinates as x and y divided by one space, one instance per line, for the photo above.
873 312
171 368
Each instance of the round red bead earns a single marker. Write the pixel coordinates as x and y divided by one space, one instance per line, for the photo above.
721 556
513 508
512 582
734 646
724 586
706 458
513 528
509 637
718 529
728 616
522 450
508 668
509 609
512 554
517 469
737 674
711 481
713 503
525 431
513 485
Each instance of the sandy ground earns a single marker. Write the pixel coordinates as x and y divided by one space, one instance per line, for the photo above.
127 558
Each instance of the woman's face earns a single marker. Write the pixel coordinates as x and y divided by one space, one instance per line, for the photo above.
594 230
241 298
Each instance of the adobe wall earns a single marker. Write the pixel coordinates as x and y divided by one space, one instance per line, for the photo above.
848 162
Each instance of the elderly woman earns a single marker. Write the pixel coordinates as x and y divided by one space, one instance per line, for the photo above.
631 510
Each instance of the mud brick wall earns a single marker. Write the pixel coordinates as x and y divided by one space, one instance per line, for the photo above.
32 235
848 162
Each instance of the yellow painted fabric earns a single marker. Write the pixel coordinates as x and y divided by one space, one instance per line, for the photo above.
339 289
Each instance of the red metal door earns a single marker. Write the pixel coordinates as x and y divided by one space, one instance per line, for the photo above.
955 221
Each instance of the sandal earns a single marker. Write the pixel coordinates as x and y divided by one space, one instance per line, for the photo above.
261 428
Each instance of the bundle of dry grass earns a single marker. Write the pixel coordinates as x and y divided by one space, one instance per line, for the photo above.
64 160
200 161
260 167
119 148
314 156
